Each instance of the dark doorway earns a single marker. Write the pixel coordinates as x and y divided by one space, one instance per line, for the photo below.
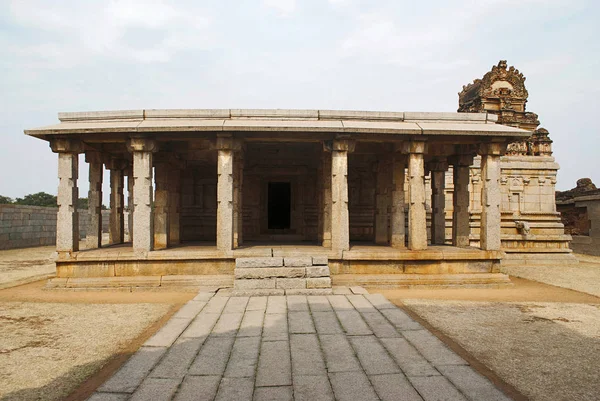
279 205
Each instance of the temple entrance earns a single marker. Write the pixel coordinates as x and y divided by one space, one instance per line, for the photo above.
279 205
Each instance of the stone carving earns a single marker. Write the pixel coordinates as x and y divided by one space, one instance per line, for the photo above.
502 92
523 227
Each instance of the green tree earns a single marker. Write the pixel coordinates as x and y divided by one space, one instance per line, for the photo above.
5 200
82 203
38 199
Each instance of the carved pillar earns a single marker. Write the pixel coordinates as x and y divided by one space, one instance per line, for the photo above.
116 224
438 201
161 205
340 222
398 239
226 147
174 205
67 225
417 217
383 199
490 196
326 197
143 221
130 203
93 237
237 198
461 200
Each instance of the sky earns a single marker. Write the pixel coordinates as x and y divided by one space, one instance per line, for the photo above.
388 55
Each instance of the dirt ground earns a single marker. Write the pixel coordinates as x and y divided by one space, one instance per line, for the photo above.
537 341
53 341
20 266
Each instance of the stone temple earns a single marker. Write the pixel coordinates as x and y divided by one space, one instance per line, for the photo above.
293 200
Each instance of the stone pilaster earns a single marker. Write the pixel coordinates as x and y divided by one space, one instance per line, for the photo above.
226 147
340 221
417 217
143 221
116 223
383 199
67 226
398 238
161 206
490 196
326 198
93 238
174 205
438 201
461 200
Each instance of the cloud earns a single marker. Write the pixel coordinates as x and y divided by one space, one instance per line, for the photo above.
67 34
283 7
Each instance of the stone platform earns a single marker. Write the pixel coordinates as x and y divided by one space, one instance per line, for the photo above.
315 348
201 265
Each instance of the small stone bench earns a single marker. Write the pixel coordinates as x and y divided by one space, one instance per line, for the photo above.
282 275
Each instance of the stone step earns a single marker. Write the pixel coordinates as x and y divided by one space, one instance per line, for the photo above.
407 280
274 275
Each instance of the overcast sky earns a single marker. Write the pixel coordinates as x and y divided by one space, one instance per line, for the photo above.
332 54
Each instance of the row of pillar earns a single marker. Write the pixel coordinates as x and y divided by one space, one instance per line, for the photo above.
159 228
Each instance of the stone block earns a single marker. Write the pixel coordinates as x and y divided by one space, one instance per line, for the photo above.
244 357
374 359
252 323
108 397
129 377
352 323
276 305
309 291
259 262
282 393
213 357
190 309
359 290
298 261
156 389
290 283
317 271
396 387
471 383
256 284
307 358
326 323
236 305
312 388
339 355
227 325
320 261
431 387
300 323
198 388
257 293
269 272
379 324
274 364
319 304
275 327
318 282
432 348
169 332
352 386
235 389
179 357
408 358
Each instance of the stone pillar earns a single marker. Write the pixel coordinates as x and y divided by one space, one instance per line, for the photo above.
174 205
490 196
461 200
93 237
326 197
130 203
226 147
417 217
161 206
67 225
116 223
143 221
340 221
438 201
237 199
398 239
382 199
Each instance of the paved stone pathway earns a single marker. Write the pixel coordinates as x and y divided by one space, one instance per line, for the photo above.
336 347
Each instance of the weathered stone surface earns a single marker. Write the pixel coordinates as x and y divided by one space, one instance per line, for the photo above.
309 291
236 305
178 358
281 393
400 319
276 304
257 292
269 272
352 323
395 387
156 389
312 388
339 355
307 358
300 322
471 383
198 388
297 261
228 324
259 262
235 389
320 260
317 271
297 303
432 386
274 365
351 386
319 303
432 348
291 283
408 358
318 282
190 309
252 323
327 323
244 357
379 324
254 284
372 356
108 397
128 378
275 327
213 357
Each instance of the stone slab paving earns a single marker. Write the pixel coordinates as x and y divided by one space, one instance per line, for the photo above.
353 346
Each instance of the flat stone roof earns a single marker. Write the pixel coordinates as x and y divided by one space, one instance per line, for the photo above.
277 120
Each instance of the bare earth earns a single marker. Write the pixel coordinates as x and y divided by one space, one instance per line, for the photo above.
542 340
52 341
20 266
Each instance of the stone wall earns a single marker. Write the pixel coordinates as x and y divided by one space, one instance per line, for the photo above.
29 226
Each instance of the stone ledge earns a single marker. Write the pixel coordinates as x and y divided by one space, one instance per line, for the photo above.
259 262
257 292
269 272
255 284
291 283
